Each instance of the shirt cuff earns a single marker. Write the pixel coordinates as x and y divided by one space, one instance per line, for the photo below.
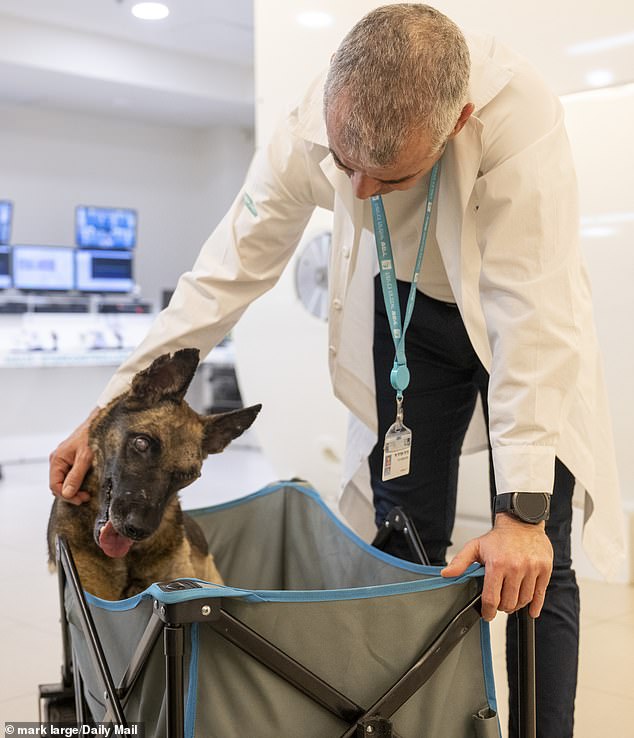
524 469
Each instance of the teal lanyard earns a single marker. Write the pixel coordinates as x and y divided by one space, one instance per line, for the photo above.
399 376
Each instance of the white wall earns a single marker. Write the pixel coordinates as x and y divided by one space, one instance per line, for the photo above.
288 55
180 181
597 124
309 443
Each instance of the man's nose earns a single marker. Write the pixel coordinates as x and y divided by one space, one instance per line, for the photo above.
364 186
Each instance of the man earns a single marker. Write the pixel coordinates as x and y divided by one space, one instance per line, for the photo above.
501 307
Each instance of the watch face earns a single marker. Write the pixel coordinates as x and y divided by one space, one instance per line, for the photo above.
531 505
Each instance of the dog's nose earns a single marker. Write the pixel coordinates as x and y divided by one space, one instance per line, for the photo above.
135 531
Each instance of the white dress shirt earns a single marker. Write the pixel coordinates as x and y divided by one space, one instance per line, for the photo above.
506 229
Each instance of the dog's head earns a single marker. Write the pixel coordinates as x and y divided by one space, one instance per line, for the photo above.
148 444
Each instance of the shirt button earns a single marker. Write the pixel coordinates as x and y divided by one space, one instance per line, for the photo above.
346 252
332 349
336 303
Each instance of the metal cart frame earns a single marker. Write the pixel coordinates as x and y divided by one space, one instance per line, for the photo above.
168 622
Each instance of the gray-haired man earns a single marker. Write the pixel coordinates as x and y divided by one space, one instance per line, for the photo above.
425 131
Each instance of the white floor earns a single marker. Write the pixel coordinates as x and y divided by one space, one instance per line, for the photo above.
29 631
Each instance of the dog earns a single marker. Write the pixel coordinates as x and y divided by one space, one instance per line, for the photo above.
148 444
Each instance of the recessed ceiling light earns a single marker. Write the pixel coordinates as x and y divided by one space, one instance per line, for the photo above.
607 219
150 11
602 93
601 44
600 78
598 232
315 19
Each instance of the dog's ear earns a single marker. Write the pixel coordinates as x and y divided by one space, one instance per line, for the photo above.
221 429
167 378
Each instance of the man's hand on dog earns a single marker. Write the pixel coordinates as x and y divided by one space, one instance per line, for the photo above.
518 560
69 464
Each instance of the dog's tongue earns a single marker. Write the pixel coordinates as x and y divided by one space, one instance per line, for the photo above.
113 544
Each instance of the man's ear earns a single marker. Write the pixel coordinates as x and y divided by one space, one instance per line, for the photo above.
221 429
167 377
466 113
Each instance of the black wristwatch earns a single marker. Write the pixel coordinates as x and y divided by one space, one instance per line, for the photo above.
530 507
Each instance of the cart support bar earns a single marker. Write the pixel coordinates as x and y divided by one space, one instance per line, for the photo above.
426 665
527 715
113 704
283 665
399 521
173 650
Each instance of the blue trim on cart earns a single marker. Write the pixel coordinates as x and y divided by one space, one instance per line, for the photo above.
209 589
116 605
487 664
192 688
310 492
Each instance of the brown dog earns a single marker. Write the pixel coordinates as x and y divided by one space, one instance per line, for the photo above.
147 444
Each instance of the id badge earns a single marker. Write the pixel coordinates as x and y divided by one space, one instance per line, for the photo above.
396 451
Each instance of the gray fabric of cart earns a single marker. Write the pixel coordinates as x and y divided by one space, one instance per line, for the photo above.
354 616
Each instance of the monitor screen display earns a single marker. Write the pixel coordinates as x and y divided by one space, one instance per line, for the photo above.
105 228
43 268
6 211
5 268
104 271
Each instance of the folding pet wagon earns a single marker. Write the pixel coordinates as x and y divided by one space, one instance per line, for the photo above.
317 635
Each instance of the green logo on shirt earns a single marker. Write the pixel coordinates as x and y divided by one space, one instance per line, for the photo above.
248 201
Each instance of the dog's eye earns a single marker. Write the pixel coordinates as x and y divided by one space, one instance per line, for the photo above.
141 443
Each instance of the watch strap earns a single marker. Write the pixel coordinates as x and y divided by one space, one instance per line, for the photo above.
503 503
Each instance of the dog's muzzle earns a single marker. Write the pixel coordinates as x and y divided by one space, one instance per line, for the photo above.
110 541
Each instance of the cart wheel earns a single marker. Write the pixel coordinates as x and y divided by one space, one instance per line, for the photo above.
59 710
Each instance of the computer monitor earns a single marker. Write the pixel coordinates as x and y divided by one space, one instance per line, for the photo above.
43 268
6 213
5 267
105 228
99 270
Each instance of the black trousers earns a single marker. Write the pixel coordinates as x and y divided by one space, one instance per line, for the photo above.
446 379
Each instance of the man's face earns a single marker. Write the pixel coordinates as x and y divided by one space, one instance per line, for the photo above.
414 161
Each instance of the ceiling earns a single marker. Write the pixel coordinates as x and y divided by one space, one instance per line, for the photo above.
196 67
213 29
550 32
